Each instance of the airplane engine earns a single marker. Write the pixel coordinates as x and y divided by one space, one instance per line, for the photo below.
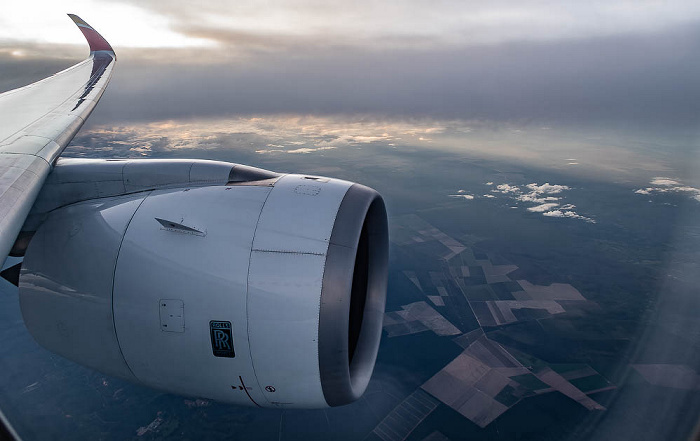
268 293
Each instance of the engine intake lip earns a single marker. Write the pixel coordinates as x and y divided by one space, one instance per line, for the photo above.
353 296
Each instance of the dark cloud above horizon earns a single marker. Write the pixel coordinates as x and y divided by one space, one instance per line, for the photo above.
644 79
647 76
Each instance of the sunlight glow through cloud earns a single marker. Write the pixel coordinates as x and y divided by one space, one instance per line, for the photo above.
280 23
283 134
123 25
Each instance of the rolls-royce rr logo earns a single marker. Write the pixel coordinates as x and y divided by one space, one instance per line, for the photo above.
221 339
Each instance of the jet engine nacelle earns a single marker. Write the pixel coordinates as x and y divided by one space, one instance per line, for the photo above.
265 293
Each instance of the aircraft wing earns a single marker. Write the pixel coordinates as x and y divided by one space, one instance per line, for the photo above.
38 121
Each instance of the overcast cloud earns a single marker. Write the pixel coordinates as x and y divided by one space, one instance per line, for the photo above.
633 63
370 23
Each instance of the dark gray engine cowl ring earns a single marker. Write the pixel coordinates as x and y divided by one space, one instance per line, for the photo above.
353 296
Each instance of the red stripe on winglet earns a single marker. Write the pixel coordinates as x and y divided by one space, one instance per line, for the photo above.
95 40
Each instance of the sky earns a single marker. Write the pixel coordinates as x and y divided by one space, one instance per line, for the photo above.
630 67
633 61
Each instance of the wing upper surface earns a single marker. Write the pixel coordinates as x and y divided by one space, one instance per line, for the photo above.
38 121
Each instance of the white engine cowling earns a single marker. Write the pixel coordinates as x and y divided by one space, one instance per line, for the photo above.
270 294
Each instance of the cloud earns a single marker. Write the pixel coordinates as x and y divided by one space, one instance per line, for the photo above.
664 182
568 214
537 192
547 188
462 194
643 78
288 134
542 208
668 185
506 188
536 198
540 195
578 62
302 150
309 150
123 24
281 24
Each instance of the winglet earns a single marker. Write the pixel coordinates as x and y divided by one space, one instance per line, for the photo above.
94 39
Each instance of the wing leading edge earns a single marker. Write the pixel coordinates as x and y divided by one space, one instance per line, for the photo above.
39 120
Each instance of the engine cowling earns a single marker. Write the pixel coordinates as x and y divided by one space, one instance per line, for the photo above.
268 294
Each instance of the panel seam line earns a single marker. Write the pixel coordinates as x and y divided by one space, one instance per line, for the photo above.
114 277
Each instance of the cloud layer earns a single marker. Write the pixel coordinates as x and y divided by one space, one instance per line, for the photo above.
645 75
269 135
288 24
